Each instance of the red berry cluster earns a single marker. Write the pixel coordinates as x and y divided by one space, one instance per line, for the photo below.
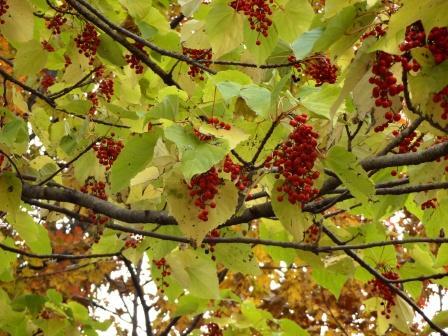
107 151
94 188
379 288
93 97
132 241
198 54
438 43
377 32
2 159
106 87
47 46
97 189
3 9
211 246
237 173
318 67
415 37
441 98
409 143
88 42
55 23
311 235
258 12
213 330
67 60
202 136
134 61
203 189
218 124
429 204
47 81
162 265
294 160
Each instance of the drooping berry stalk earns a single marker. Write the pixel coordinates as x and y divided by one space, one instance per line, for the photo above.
380 289
203 189
198 54
88 42
133 61
107 151
294 160
3 10
318 67
258 14
163 266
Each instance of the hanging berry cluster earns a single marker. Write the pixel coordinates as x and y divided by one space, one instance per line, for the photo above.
93 97
218 124
203 189
3 9
409 143
106 87
97 189
377 32
414 37
162 265
311 235
429 204
47 81
198 54
107 151
133 61
210 249
317 67
438 43
294 160
132 241
88 42
379 288
55 23
213 330
237 173
441 98
47 46
258 13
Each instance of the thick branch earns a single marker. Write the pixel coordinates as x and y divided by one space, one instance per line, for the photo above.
94 19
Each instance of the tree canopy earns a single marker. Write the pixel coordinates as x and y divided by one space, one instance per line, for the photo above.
223 167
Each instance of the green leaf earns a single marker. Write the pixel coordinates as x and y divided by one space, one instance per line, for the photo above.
336 28
197 156
30 59
237 257
346 166
138 9
222 15
382 255
333 281
293 219
442 256
257 98
290 328
10 193
34 234
269 229
195 272
319 100
19 22
294 19
440 319
303 46
189 304
111 50
137 153
108 243
181 206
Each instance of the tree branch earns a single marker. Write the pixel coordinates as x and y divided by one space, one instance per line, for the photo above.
380 277
140 294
